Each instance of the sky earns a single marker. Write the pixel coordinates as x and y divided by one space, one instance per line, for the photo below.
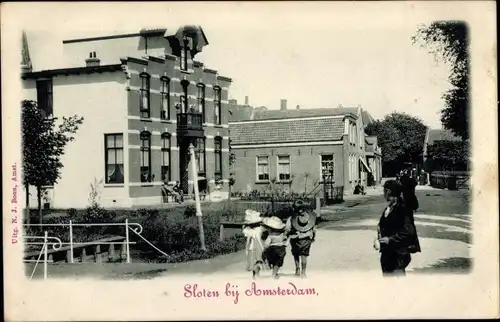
311 56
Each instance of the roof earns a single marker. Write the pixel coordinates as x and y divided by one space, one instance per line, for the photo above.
434 135
287 131
283 114
25 53
73 71
367 118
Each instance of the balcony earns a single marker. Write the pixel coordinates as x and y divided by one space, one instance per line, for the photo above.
190 125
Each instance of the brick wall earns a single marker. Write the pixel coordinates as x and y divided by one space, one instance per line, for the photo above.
303 159
170 67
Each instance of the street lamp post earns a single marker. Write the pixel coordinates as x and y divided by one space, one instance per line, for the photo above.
197 197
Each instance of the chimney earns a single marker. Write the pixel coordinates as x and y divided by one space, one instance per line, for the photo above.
92 61
298 107
283 105
246 100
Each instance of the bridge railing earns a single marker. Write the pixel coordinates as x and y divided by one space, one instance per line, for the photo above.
135 228
45 245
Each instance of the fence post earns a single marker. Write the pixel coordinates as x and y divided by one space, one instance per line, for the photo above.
71 242
221 232
127 240
46 245
318 206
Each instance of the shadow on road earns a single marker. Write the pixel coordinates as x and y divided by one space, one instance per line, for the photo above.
457 265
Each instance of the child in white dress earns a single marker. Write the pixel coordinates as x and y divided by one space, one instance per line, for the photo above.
253 231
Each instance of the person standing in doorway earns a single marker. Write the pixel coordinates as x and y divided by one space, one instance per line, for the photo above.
397 236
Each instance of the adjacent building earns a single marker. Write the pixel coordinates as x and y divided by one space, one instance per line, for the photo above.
433 136
302 148
144 99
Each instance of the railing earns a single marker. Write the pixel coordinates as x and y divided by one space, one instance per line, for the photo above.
134 227
44 251
449 180
189 120
315 190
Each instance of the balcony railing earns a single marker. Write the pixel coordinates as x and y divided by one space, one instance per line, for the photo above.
190 124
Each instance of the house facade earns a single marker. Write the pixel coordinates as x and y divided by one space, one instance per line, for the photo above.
144 100
302 148
432 137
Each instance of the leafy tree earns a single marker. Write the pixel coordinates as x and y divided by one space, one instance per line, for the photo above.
401 138
447 155
43 146
449 41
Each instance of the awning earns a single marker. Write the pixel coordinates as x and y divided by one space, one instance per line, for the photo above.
367 168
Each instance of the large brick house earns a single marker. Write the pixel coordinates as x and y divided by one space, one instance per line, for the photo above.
144 99
302 148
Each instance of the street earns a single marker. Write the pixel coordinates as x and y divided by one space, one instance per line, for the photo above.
344 242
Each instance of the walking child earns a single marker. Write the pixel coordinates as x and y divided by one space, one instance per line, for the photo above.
301 228
275 244
253 231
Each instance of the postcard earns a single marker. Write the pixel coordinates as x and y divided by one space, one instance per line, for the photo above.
250 160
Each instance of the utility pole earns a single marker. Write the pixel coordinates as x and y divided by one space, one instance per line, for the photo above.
197 197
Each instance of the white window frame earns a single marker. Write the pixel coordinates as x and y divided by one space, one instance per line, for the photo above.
321 165
278 167
257 168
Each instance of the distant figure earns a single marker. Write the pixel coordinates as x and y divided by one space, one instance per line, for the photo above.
371 179
174 191
397 235
409 184
358 189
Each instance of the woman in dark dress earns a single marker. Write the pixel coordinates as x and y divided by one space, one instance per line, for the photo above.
397 236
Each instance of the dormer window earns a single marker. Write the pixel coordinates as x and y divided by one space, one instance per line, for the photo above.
184 97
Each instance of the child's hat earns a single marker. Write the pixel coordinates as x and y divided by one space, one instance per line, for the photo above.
274 223
305 221
252 217
299 204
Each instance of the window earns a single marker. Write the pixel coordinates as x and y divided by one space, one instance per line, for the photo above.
145 91
44 96
201 100
218 157
184 97
283 167
200 156
113 146
184 54
263 168
165 157
217 108
327 167
165 98
145 157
